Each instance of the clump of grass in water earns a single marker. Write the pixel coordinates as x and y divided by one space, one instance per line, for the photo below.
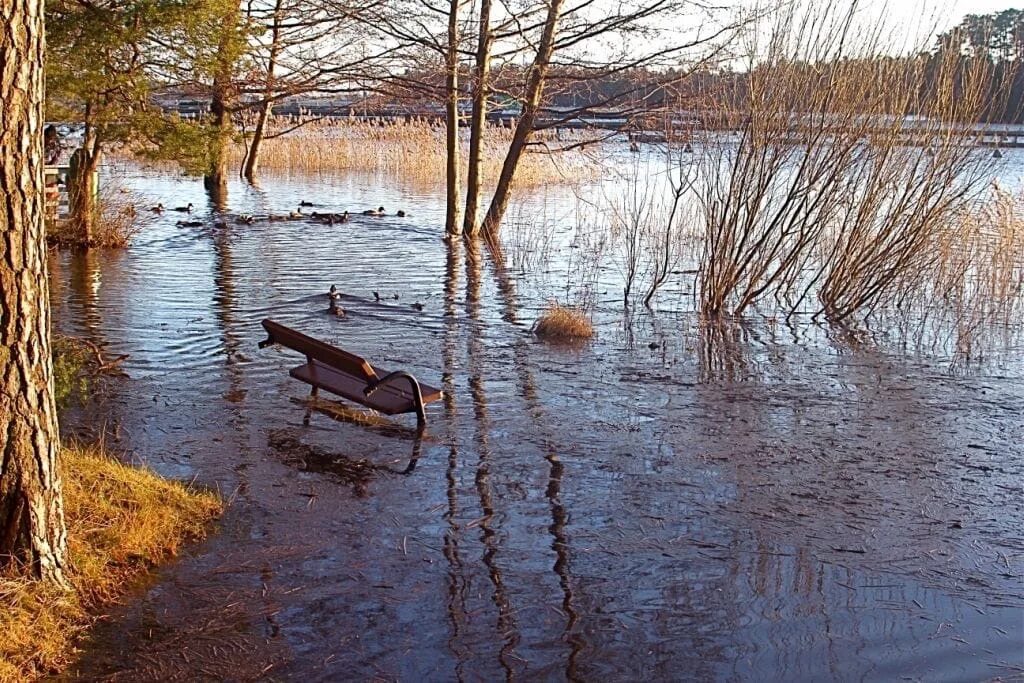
117 220
121 521
563 323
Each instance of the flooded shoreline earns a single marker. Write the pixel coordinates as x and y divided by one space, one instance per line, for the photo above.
671 501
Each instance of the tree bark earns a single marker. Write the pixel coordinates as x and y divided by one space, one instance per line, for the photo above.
524 127
454 194
221 99
252 157
216 179
478 120
31 506
82 202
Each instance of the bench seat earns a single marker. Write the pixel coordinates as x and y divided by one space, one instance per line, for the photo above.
393 398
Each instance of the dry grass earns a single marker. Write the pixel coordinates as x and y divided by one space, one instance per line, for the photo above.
563 323
410 150
117 220
121 521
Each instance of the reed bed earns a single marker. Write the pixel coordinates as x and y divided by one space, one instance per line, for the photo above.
413 150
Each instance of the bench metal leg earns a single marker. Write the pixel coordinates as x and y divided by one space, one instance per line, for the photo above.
313 393
417 394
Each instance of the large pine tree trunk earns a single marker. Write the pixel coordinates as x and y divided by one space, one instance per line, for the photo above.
31 506
478 119
454 194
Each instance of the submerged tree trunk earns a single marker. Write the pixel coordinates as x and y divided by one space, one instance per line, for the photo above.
478 119
216 179
524 127
252 156
82 208
31 506
453 167
221 99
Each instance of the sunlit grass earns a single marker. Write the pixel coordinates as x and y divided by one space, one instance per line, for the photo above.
563 323
121 521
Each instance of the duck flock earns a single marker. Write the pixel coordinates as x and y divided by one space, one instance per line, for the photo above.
296 215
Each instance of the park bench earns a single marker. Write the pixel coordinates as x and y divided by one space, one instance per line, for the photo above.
350 376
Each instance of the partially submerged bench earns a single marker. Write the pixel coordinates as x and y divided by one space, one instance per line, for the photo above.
350 376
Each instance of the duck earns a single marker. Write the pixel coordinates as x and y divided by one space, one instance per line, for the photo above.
333 293
246 219
344 218
297 214
305 203
376 296
184 209
379 211
159 208
418 306
997 153
190 224
400 213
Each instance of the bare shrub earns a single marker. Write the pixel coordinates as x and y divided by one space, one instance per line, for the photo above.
118 220
831 191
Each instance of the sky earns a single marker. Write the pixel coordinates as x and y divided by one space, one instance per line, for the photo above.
945 14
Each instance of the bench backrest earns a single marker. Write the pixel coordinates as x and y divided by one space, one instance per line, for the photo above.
314 349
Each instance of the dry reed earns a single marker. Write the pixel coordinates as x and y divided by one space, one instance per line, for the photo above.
121 521
412 150
563 323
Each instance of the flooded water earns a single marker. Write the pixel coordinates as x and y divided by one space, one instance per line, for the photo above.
668 502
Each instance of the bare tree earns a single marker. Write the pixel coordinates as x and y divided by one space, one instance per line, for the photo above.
31 506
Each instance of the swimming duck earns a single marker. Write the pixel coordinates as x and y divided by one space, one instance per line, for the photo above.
343 218
246 219
400 213
305 203
379 211
333 293
997 154
418 306
376 296
159 208
184 209
190 224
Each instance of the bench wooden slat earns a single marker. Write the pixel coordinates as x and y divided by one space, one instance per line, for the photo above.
318 350
391 399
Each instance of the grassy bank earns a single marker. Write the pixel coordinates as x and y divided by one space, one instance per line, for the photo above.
121 522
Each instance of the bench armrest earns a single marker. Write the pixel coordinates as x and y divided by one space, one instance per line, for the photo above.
417 393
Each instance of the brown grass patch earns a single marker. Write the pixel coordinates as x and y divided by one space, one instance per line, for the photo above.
563 323
121 521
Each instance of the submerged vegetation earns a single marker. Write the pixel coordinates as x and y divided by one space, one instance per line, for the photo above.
121 520
563 323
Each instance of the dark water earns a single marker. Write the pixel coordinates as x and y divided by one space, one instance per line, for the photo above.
748 503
